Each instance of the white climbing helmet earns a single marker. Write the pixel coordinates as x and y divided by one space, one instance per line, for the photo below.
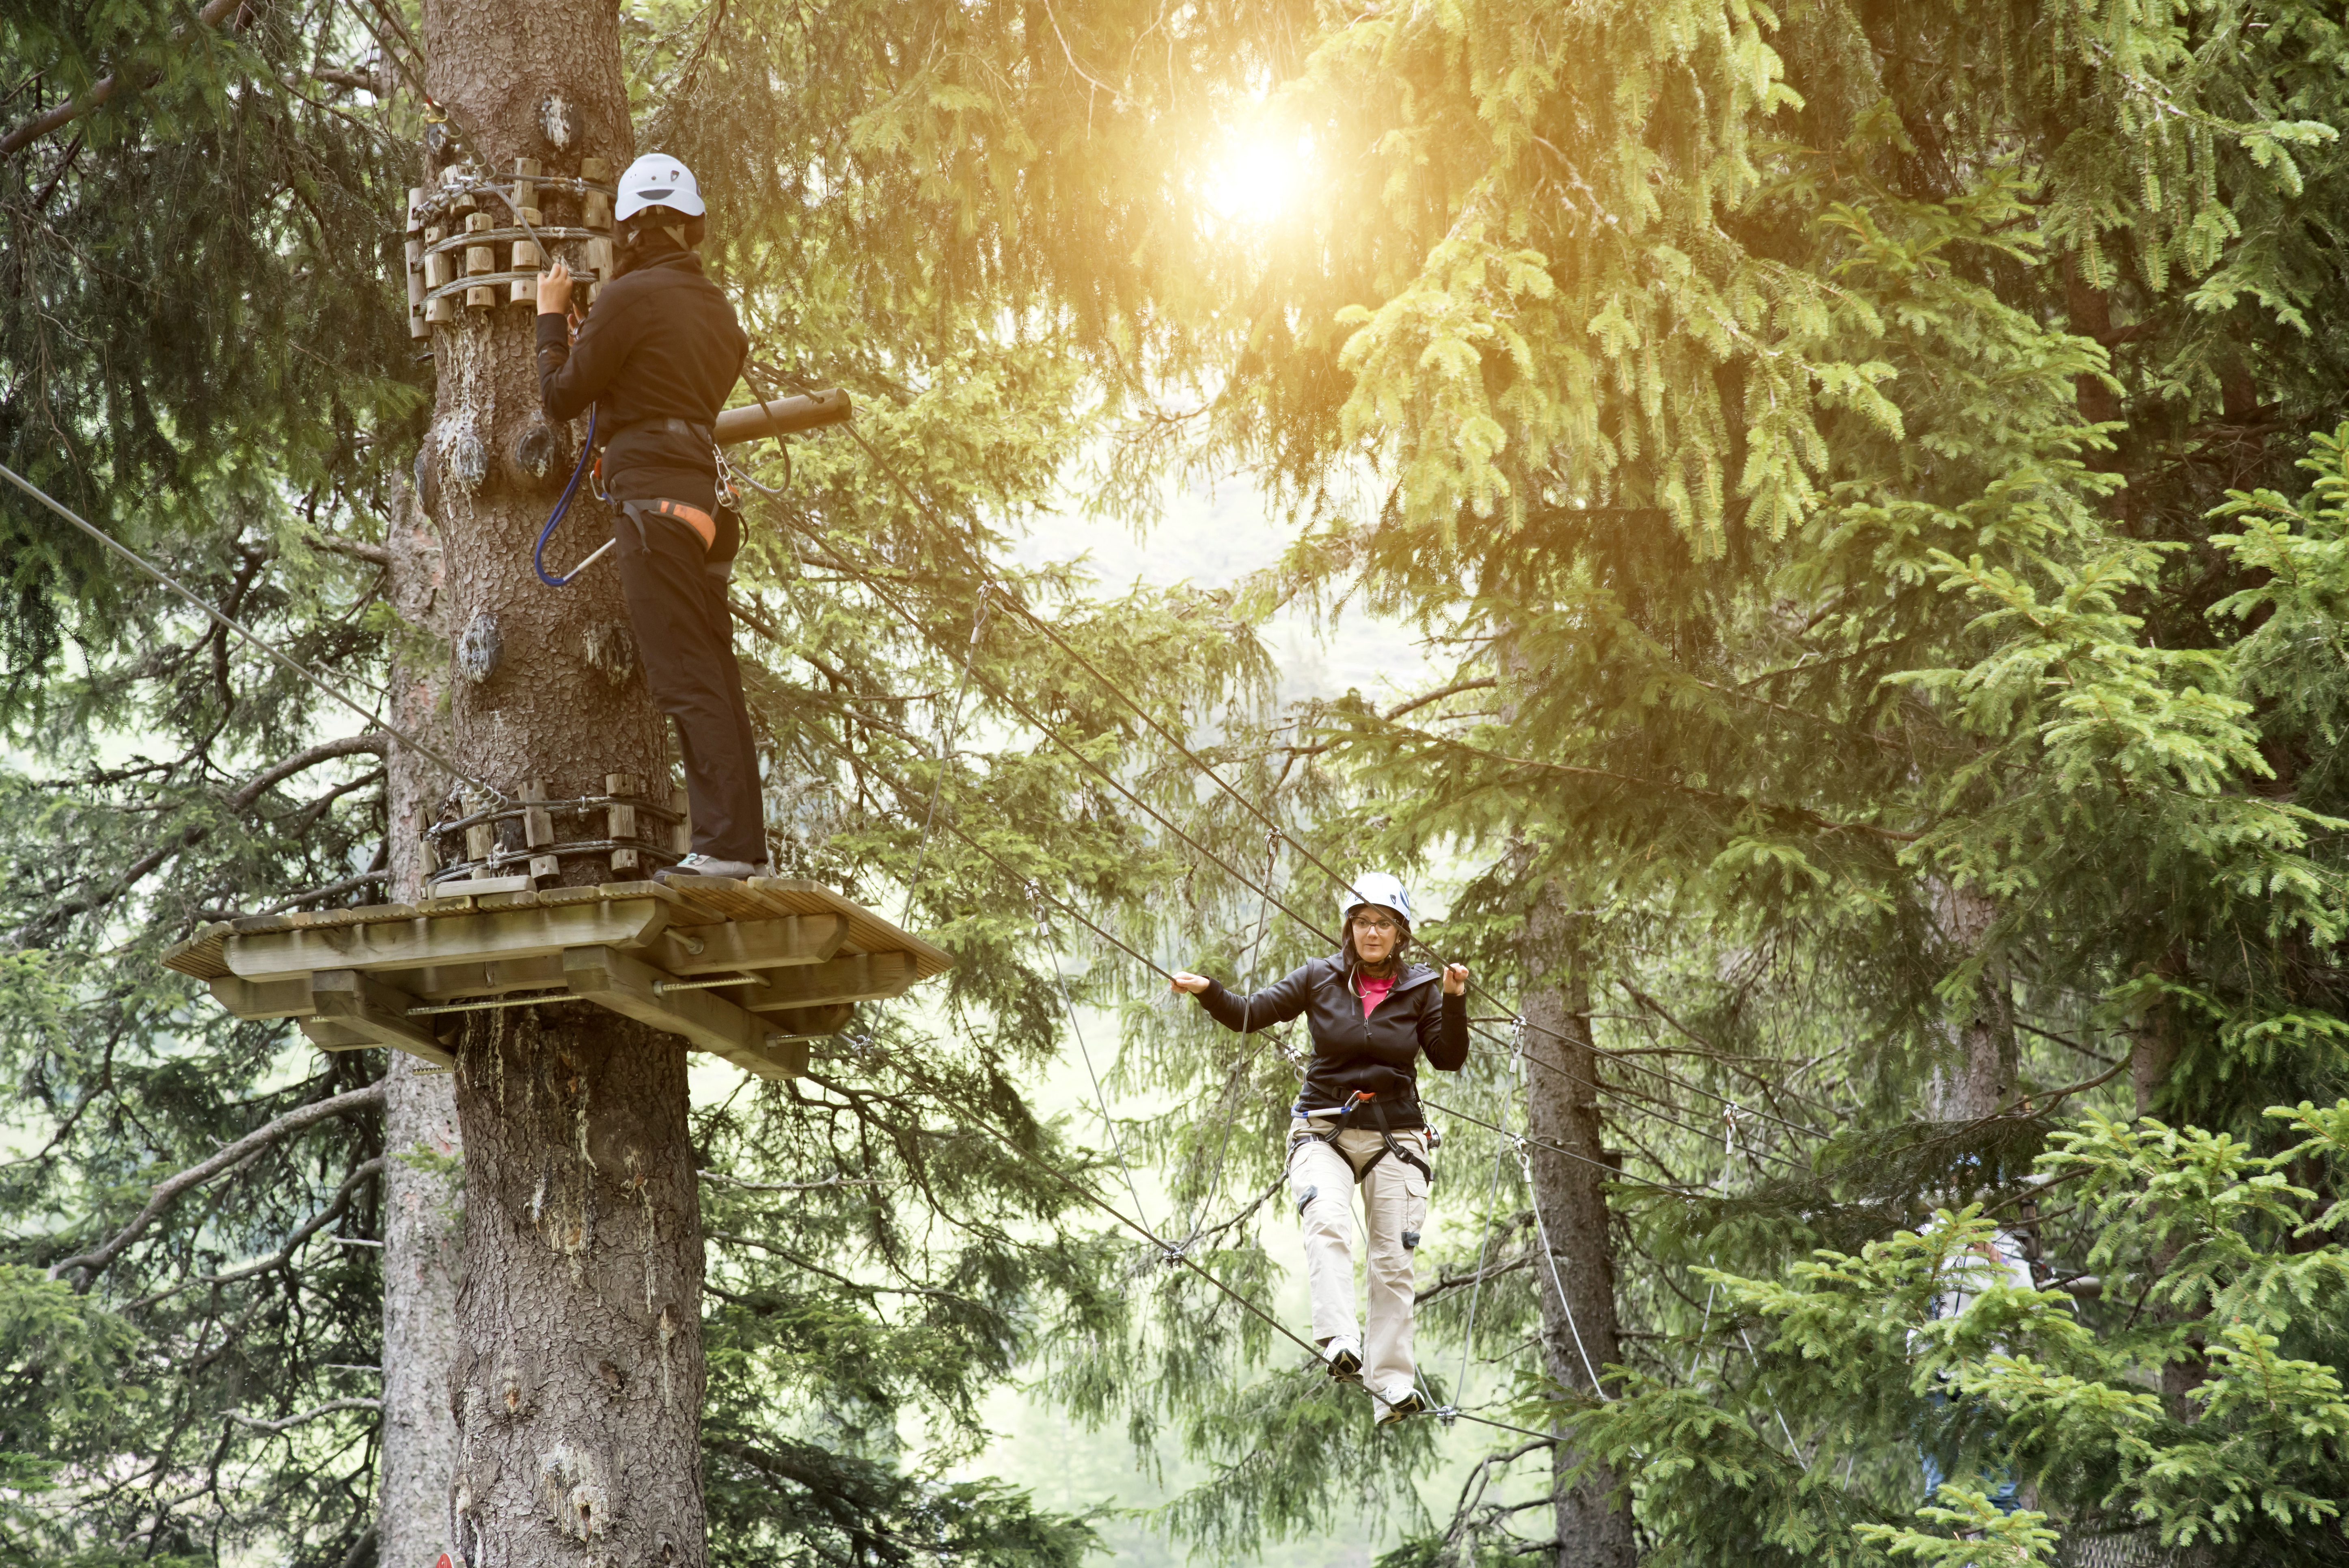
656 179
1375 888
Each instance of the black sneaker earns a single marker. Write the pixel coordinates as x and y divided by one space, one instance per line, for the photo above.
1343 1357
1410 1402
698 865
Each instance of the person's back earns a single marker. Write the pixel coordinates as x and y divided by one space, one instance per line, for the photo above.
661 344
655 356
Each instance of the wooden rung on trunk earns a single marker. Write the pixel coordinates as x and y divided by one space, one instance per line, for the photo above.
621 819
479 260
537 830
525 257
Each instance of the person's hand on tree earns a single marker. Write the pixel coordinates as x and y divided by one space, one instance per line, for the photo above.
1455 979
554 290
1194 983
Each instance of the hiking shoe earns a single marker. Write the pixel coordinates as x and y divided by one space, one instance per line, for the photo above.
1343 1357
698 865
1408 1402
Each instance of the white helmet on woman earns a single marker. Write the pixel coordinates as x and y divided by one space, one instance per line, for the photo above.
1376 888
656 179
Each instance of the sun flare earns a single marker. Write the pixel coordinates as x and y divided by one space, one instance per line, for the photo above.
1259 176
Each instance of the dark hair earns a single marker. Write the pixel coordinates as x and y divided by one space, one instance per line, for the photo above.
636 247
1354 960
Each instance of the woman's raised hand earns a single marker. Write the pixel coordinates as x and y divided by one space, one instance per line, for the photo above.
554 290
1455 979
1186 981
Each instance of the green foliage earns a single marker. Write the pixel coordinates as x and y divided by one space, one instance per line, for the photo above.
2065 1397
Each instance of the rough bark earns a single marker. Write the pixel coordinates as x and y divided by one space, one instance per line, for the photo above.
576 1385
1979 1077
423 1232
579 1378
423 1226
1580 1333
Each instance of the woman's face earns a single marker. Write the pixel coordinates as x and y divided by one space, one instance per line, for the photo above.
1376 934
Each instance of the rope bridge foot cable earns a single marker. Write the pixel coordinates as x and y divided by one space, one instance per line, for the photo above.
1176 1255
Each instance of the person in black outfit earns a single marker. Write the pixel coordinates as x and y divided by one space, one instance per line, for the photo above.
657 355
1357 1123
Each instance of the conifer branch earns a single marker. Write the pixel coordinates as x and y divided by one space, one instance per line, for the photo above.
361 1174
1740 802
328 1409
73 108
356 549
238 801
87 1266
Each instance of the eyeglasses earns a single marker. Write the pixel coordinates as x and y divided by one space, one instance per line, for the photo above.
1373 923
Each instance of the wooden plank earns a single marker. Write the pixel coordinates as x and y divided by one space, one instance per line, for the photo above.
478 936
458 982
868 932
625 985
203 955
750 944
475 887
333 1034
365 1005
265 998
861 978
726 896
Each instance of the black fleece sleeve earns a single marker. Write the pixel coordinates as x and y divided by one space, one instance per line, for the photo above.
1443 1032
1276 1004
573 375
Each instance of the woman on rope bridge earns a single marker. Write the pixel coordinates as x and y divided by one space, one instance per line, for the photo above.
659 351
1356 1122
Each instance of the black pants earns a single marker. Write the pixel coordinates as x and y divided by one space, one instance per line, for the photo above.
686 639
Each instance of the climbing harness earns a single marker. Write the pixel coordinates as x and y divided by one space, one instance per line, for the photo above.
1344 1122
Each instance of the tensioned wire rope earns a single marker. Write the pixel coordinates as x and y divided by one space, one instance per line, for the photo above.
979 567
1633 1099
1638 1101
1307 923
1026 882
1178 1253
259 642
1200 765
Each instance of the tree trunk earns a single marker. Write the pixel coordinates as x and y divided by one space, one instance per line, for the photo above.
577 1372
1980 1078
424 1203
1579 1332
424 1227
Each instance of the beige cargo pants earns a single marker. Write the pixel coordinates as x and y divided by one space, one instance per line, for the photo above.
1394 1204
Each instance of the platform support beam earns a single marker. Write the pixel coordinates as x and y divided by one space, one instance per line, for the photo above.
362 1005
625 986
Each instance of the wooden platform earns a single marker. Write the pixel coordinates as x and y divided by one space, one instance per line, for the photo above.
748 970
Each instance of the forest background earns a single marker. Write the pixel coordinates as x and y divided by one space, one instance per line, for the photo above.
1864 479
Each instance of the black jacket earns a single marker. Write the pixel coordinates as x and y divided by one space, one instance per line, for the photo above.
1379 1053
660 343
